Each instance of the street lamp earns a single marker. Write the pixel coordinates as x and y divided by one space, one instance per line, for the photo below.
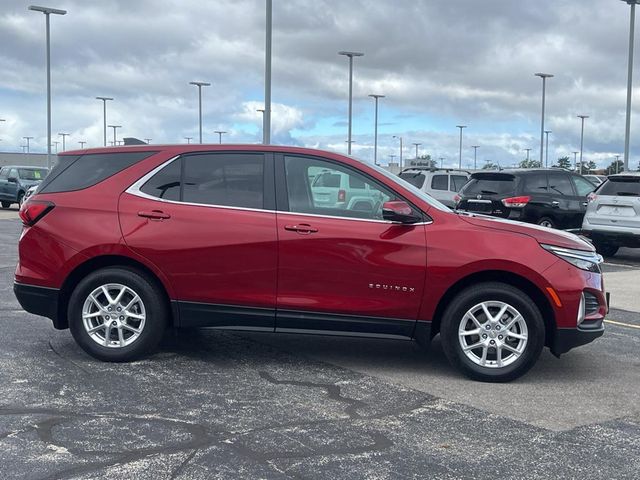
148 140
350 55
544 77
400 161
460 153
115 142
266 118
104 116
262 110
82 143
188 139
55 144
375 129
617 160
27 139
2 120
475 156
546 160
47 12
575 160
416 145
528 150
220 132
441 162
627 130
64 136
200 85
582 117
392 156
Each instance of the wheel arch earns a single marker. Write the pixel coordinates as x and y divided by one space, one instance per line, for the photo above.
103 261
499 276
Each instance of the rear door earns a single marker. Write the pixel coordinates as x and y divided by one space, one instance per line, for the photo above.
567 205
12 186
344 269
4 174
208 222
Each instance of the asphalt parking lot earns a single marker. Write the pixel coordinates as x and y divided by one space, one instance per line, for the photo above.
216 404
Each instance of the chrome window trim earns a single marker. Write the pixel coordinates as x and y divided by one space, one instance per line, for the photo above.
135 189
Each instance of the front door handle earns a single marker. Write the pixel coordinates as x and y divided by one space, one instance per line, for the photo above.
303 228
154 215
555 204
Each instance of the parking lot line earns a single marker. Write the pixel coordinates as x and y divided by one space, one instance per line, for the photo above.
622 324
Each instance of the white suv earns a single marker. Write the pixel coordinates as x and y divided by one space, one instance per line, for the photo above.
441 184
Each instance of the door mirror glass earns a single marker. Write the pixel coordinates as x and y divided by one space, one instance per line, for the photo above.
399 211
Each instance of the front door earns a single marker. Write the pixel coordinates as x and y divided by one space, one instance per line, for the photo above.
342 268
208 222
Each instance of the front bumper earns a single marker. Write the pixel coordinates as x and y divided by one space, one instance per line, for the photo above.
38 300
565 339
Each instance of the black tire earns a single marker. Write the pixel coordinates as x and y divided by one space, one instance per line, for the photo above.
606 249
487 292
547 222
6 204
155 306
20 199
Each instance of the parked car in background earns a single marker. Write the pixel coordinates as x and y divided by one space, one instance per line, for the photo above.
119 244
16 180
552 198
332 188
595 179
613 214
441 184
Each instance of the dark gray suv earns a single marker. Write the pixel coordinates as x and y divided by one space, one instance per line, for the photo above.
16 180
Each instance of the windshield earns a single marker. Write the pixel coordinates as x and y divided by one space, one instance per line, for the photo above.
621 186
32 173
417 192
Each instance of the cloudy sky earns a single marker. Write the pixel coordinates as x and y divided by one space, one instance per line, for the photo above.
439 62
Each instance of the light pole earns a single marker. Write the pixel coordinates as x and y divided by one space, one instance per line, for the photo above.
27 139
200 85
2 120
528 150
47 12
188 139
617 160
375 128
575 160
220 132
475 156
350 55
544 77
627 130
392 156
82 143
266 118
416 145
261 110
115 142
148 140
460 153
64 136
441 162
582 117
400 161
104 116
546 158
55 144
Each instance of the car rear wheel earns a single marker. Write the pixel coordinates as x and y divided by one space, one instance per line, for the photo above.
117 314
547 222
6 204
606 249
492 332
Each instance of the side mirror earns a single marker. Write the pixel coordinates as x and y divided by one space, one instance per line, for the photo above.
399 211
12 180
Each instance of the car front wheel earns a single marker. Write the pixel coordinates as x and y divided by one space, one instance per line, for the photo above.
6 204
606 249
117 314
492 332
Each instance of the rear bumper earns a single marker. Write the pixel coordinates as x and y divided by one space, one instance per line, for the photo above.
618 236
567 338
38 300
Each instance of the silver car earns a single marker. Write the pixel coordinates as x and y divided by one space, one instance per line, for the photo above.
441 184
613 214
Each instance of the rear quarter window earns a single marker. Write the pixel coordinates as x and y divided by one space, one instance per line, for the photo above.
79 172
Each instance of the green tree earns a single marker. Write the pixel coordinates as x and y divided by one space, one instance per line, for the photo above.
563 162
615 167
529 163
490 166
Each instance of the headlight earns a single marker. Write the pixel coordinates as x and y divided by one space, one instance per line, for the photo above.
589 261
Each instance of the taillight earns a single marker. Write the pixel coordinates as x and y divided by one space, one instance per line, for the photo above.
516 202
592 197
342 196
457 198
33 210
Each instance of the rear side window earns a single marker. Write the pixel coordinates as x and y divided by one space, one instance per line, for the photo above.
535 183
230 179
440 182
457 182
415 179
75 173
621 187
490 184
559 183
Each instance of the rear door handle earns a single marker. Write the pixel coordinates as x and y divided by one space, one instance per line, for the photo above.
154 215
303 228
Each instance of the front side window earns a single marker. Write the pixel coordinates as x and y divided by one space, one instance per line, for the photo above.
560 184
33 173
348 193
229 179
4 173
440 182
13 173
583 187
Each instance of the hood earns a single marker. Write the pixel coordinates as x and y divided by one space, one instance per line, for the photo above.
544 235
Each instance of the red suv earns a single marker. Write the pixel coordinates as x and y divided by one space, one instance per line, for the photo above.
121 243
